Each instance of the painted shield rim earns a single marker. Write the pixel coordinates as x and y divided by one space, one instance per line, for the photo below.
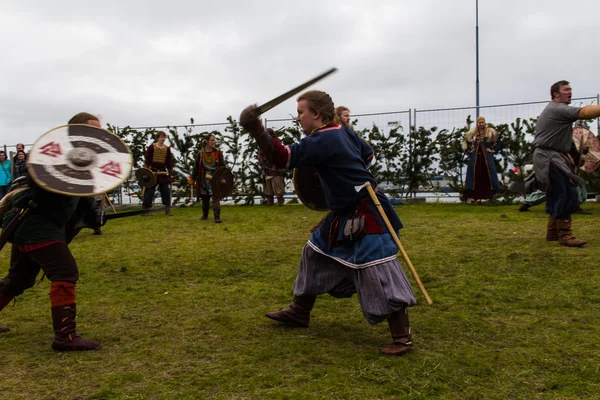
44 186
150 173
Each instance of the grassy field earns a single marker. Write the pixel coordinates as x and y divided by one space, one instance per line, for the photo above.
178 305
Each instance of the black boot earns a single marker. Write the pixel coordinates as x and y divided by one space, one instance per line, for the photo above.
400 329
217 212
65 336
4 300
205 208
525 207
298 315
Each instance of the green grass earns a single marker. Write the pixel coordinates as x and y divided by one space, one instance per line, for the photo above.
178 305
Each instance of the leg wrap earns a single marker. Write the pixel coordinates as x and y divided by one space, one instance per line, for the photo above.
62 293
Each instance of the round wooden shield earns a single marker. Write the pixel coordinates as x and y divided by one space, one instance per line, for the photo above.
307 185
145 177
221 182
582 135
79 160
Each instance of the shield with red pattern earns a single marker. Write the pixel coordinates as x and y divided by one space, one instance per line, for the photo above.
79 160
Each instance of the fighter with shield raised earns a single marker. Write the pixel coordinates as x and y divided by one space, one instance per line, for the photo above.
67 165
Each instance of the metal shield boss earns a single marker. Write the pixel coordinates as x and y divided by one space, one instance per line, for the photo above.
307 185
145 177
583 136
79 160
221 182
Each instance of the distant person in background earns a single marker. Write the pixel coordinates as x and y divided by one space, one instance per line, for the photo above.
342 116
19 147
5 175
274 184
480 143
205 164
539 197
20 164
159 159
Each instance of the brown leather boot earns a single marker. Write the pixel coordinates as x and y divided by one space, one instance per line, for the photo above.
270 201
280 201
400 329
168 211
65 336
4 301
298 315
565 234
551 230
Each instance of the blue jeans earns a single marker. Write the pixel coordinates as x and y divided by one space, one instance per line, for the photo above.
3 190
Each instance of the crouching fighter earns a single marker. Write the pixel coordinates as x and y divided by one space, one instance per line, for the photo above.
554 164
72 162
351 251
40 243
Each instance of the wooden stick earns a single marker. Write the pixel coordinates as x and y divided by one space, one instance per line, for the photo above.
397 240
109 203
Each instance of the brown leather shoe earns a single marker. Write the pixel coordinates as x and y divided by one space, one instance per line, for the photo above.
298 315
398 347
289 318
400 329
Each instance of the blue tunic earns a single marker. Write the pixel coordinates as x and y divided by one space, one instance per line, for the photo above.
341 157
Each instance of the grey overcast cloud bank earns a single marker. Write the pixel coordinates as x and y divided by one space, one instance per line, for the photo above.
145 63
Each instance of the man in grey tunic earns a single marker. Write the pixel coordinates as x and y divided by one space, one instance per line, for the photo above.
555 158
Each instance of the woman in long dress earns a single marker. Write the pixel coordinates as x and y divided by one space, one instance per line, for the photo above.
480 144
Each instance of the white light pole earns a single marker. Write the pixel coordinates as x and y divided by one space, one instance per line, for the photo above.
477 57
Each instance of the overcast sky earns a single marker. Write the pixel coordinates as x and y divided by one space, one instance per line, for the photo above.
147 63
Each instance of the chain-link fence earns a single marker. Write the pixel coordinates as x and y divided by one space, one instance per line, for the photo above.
384 121
442 118
449 118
